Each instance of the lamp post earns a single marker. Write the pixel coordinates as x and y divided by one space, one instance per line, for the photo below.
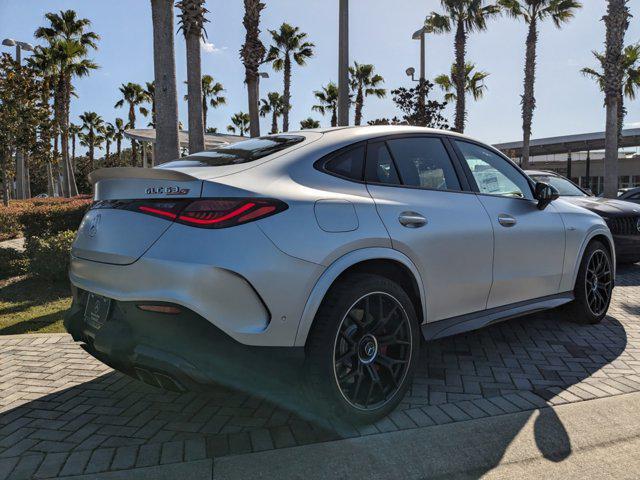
22 186
343 63
10 42
420 35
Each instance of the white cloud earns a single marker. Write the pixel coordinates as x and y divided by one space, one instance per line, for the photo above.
210 47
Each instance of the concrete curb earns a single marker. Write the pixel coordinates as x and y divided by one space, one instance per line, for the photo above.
468 449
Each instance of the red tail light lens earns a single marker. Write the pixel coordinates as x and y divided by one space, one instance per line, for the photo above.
213 212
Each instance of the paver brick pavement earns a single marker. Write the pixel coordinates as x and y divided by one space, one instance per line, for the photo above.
62 412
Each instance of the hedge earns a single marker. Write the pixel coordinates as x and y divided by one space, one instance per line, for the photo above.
40 217
49 256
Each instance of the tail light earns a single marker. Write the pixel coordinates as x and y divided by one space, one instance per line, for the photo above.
203 212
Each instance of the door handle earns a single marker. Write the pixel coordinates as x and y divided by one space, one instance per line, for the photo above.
506 220
412 220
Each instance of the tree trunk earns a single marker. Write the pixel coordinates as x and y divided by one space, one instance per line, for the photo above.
254 112
134 144
5 176
204 114
343 63
167 146
334 117
528 98
616 23
73 188
460 51
274 121
359 105
107 150
194 93
119 148
287 93
91 151
59 117
50 183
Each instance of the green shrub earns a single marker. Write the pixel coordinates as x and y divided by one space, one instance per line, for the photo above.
12 262
47 218
49 256
10 226
39 217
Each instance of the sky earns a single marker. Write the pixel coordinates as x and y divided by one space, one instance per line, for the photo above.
380 33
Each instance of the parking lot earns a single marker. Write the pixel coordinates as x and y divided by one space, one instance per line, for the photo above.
64 413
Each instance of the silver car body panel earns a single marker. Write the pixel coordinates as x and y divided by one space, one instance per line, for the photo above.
262 283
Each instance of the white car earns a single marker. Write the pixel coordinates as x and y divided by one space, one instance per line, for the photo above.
339 247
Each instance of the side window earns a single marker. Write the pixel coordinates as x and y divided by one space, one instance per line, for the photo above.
493 174
424 162
380 167
348 164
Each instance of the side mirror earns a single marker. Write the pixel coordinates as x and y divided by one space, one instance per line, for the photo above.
545 194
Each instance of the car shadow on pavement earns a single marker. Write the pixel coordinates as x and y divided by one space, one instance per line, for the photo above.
510 367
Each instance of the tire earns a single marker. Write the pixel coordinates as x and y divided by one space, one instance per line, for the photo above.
584 309
351 341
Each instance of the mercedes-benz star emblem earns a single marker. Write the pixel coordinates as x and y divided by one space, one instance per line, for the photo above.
93 226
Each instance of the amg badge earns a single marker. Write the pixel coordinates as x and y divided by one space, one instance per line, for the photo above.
171 190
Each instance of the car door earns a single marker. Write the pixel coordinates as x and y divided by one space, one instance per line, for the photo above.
419 195
529 243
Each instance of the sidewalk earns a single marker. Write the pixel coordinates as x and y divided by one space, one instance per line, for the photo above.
592 439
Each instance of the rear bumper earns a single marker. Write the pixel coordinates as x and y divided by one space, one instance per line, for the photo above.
235 279
180 351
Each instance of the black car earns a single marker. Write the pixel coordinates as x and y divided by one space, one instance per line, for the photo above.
623 218
629 194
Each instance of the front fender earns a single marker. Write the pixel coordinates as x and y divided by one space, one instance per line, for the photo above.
597 230
336 269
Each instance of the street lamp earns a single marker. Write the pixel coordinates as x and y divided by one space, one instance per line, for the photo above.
343 63
10 42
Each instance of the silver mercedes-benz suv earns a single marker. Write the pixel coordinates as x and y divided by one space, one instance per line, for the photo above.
338 247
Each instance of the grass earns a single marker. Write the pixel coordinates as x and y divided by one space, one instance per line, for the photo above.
31 305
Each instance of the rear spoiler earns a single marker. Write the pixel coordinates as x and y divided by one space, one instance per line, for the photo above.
137 172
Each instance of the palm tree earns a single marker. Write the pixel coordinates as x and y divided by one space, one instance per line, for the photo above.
616 23
364 82
288 42
240 123
252 55
192 20
118 135
309 123
211 96
93 124
91 142
70 40
630 62
466 16
166 146
533 12
109 133
328 98
150 94
133 95
274 105
474 82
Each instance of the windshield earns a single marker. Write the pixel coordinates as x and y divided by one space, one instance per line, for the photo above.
564 186
241 152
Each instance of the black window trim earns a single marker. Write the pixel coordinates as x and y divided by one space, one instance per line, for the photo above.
321 164
469 174
459 172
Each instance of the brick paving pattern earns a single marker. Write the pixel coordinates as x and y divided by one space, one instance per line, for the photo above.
64 413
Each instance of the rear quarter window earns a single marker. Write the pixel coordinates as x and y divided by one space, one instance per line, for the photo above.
347 163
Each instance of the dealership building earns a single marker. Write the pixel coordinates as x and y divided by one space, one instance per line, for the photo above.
581 157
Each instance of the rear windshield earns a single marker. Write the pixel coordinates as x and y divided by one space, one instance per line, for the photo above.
241 152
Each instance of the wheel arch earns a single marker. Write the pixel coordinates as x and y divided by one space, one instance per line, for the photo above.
382 261
603 236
